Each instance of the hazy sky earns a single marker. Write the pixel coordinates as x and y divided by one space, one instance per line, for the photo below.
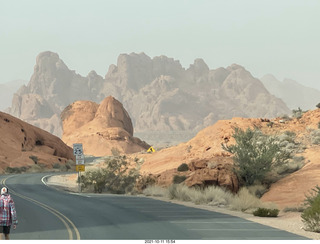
281 37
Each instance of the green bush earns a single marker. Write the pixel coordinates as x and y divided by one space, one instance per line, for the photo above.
265 212
154 190
117 177
297 113
315 137
254 154
177 179
311 215
56 166
15 170
183 167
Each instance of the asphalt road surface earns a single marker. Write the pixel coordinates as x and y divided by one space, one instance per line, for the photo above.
45 213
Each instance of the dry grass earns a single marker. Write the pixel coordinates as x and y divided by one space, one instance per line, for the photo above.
155 191
213 196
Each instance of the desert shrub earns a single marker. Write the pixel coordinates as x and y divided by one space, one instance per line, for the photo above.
70 164
257 190
15 170
177 179
291 166
293 209
318 105
183 167
244 201
179 192
217 196
34 159
156 191
144 182
297 113
315 137
311 215
318 125
254 154
56 166
266 212
311 196
116 177
212 195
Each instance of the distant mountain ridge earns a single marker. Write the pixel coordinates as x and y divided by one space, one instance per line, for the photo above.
6 92
292 93
159 94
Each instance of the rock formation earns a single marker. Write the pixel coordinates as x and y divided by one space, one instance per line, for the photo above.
100 128
158 93
24 145
210 164
51 88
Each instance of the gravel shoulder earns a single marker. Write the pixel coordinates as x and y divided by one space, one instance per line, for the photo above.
288 221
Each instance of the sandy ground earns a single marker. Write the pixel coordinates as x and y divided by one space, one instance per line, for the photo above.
290 221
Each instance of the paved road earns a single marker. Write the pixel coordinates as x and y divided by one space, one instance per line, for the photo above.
48 214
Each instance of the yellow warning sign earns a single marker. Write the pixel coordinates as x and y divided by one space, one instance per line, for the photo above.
151 149
80 168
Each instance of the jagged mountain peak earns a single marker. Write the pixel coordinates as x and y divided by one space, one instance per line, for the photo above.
158 93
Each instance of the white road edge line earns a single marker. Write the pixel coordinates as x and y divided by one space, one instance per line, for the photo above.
43 181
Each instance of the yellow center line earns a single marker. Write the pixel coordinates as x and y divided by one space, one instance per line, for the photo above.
59 215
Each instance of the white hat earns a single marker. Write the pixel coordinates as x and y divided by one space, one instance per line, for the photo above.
4 190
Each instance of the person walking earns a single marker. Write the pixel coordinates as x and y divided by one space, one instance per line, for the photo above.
8 215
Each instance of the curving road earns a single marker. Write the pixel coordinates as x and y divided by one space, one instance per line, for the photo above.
45 213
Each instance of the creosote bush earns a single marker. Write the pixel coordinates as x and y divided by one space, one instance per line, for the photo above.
16 170
183 167
266 212
311 215
177 179
255 154
116 177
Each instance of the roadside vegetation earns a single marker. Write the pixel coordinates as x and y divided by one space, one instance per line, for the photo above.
259 161
311 214
115 177
264 159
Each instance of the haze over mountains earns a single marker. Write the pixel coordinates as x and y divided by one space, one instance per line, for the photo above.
7 90
158 93
292 93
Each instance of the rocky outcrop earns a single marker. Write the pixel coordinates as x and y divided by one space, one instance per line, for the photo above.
158 93
217 171
51 88
101 129
24 145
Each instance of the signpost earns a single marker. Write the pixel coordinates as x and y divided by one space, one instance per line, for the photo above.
80 167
